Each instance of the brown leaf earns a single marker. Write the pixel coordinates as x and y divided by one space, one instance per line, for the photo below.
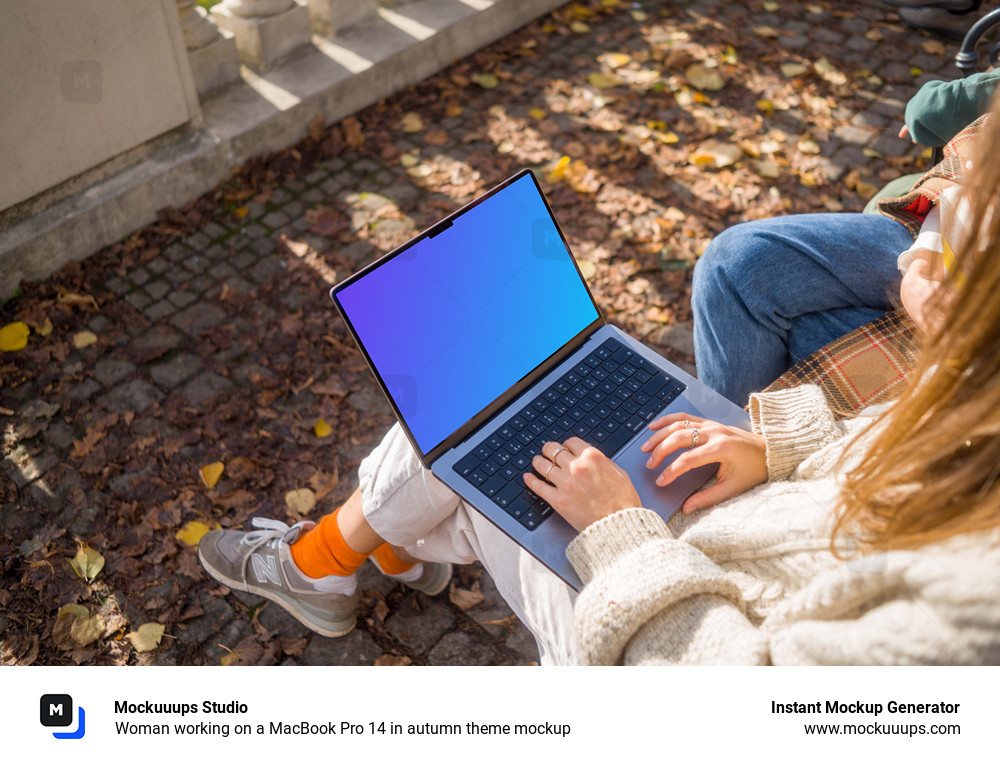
465 599
326 221
353 135
316 128
392 660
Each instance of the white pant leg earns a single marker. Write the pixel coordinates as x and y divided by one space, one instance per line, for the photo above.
410 508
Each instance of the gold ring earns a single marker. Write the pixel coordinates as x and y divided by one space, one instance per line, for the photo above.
556 454
546 474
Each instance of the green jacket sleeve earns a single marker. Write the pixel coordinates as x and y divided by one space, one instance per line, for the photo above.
941 109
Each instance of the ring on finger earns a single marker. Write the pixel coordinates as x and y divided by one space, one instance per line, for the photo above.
695 437
556 454
545 475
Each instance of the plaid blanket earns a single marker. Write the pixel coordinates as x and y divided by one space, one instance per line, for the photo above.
868 366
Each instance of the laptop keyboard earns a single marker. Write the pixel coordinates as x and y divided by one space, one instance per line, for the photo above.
605 400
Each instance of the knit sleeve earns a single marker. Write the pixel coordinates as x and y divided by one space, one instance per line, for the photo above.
940 109
795 423
652 599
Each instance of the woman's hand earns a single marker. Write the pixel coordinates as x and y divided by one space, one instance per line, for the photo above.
741 455
580 483
918 291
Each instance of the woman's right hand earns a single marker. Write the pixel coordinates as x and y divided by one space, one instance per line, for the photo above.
741 455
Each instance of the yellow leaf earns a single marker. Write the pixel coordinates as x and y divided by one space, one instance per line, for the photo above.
587 268
614 60
704 78
192 532
75 299
793 69
771 6
765 105
408 160
411 122
768 168
808 146
211 473
718 153
454 109
604 80
538 114
14 336
86 630
241 212
916 71
933 47
815 10
579 27
485 80
668 138
300 501
639 16
557 172
730 56
87 562
865 189
147 637
322 429
807 179
84 339
45 328
610 3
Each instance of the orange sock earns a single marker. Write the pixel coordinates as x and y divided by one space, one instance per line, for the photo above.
390 563
323 551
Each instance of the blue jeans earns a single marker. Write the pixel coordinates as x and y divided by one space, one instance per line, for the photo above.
768 293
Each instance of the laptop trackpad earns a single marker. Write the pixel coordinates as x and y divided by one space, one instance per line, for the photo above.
663 500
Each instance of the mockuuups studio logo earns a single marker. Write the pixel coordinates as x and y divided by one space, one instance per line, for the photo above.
56 710
81 82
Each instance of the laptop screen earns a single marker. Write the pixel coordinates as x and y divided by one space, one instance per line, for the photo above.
454 320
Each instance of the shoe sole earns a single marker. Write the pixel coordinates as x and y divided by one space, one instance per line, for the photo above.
330 629
435 588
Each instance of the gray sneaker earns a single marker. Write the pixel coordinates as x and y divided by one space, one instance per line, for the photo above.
428 577
261 563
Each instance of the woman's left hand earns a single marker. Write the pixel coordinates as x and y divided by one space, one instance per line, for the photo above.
580 483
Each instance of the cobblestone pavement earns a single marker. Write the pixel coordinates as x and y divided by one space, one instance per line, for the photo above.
216 341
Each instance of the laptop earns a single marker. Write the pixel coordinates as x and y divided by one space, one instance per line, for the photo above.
485 339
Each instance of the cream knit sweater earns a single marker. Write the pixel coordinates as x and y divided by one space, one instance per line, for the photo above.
753 581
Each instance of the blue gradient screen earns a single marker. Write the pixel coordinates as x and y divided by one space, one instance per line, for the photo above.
452 322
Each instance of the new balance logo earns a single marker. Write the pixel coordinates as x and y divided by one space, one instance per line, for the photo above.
265 568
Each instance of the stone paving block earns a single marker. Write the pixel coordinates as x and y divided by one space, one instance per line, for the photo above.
117 286
60 435
419 631
139 275
461 649
111 371
198 317
136 395
84 390
264 269
206 386
199 630
157 338
356 648
138 299
159 310
158 289
172 373
182 298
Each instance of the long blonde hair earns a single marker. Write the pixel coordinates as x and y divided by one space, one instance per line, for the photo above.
931 469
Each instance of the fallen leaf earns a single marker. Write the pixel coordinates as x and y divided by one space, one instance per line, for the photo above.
241 212
464 598
604 80
147 637
300 501
211 473
770 6
587 268
411 123
436 137
933 47
45 328
14 336
322 429
86 630
192 532
87 562
392 660
76 299
717 153
485 80
668 137
916 71
793 69
639 16
704 78
579 27
808 146
67 615
538 114
767 168
83 339
614 60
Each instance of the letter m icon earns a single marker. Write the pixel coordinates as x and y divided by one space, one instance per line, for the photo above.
266 568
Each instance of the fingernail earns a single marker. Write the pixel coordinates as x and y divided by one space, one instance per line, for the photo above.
645 447
660 481
649 463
